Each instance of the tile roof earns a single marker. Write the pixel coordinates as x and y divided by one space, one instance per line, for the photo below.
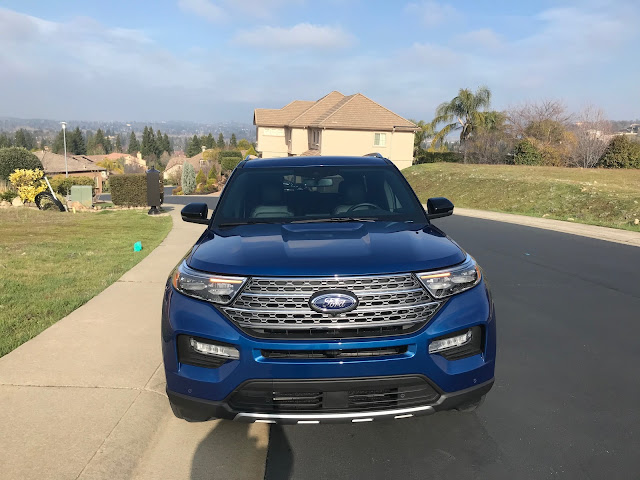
336 111
54 163
266 117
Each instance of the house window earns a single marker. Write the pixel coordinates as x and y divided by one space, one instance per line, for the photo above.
379 139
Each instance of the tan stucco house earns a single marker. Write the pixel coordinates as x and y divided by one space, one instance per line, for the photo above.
76 165
334 125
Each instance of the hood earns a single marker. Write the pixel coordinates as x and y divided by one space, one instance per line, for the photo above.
324 249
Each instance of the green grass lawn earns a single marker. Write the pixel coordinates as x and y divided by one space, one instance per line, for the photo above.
606 197
52 262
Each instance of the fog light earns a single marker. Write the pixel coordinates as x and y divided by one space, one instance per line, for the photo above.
450 342
221 351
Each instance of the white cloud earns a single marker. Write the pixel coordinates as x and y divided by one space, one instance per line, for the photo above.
484 38
433 14
261 8
301 36
203 8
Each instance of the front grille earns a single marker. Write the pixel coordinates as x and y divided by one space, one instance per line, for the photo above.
279 307
335 395
337 354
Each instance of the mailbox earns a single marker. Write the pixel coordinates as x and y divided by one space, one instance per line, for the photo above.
154 195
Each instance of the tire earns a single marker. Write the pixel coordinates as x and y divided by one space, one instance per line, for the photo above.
471 406
45 201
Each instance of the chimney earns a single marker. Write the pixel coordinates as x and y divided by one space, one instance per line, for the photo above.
204 148
139 155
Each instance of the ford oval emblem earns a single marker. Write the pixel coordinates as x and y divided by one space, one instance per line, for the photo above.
333 302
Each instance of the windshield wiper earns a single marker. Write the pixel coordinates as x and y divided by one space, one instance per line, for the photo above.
236 224
336 219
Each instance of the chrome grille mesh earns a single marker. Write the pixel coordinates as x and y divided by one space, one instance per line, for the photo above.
279 307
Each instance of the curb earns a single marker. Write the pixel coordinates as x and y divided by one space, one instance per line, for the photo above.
624 237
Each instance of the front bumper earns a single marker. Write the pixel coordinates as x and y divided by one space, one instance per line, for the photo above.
207 390
205 410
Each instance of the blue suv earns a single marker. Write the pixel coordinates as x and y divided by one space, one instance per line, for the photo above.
321 292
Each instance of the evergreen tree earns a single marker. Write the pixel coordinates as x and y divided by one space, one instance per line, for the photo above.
193 147
233 142
5 140
148 146
244 144
97 144
158 143
75 143
58 144
201 177
208 141
118 144
188 178
221 143
24 139
166 144
134 145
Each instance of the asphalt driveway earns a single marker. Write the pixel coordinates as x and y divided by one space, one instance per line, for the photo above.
566 398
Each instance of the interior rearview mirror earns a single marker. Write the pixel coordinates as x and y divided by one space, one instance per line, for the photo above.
195 213
438 207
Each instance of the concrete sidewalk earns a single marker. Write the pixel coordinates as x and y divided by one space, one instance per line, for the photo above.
602 233
85 398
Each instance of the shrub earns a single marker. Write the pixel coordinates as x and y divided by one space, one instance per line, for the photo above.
129 189
8 195
251 151
201 178
62 184
229 160
433 157
213 174
188 178
28 183
13 158
176 191
620 153
526 153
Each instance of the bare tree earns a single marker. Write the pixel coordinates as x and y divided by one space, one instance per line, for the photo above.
549 112
592 132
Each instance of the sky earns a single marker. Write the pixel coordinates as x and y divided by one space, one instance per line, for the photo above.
217 60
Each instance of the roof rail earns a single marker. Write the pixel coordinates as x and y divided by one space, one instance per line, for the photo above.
374 154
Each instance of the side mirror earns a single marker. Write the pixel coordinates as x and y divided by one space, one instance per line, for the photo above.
439 207
195 213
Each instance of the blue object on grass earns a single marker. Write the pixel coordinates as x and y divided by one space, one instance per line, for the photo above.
137 246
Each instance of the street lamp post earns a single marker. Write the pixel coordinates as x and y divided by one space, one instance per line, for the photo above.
64 139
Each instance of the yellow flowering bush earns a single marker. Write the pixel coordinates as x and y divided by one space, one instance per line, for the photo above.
28 183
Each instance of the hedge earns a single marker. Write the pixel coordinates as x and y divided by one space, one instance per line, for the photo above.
229 160
62 184
130 189
433 157
12 158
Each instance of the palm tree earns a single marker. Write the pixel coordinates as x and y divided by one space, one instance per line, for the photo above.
462 113
424 133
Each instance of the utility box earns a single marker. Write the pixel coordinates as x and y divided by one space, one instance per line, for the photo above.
154 194
82 194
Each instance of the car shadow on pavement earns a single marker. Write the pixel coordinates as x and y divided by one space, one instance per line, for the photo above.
443 446
231 450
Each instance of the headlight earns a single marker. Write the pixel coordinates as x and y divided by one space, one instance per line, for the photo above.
447 282
212 288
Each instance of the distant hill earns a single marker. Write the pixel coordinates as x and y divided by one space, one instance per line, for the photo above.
171 127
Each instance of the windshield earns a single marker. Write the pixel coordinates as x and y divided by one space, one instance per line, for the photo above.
308 194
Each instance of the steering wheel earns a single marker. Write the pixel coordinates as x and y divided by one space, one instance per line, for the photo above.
360 205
